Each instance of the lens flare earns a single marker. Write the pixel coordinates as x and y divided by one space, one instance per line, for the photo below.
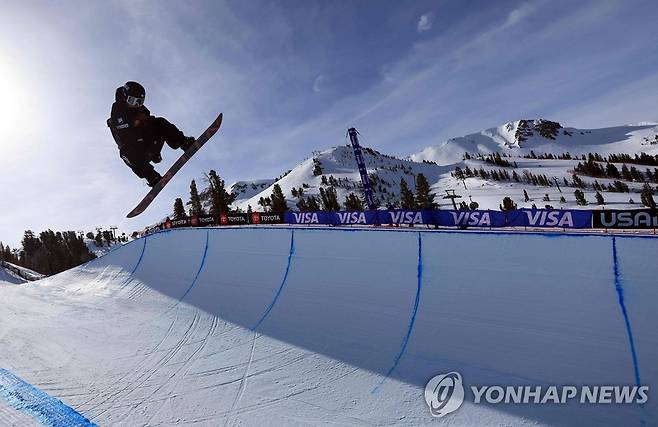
14 104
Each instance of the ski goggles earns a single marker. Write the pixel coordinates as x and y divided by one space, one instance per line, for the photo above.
134 101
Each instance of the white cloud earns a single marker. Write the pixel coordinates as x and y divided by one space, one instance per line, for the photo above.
317 84
513 19
425 22
521 12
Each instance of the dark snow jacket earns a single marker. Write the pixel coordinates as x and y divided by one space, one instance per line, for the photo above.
126 123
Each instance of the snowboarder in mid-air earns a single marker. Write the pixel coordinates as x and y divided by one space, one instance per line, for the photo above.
140 136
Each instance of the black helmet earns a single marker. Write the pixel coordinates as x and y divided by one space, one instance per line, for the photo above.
134 94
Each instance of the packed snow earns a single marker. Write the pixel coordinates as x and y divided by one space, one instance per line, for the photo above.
291 326
10 272
100 250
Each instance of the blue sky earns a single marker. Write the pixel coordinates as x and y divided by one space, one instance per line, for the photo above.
291 77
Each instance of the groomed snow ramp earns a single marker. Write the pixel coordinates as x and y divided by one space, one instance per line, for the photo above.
302 326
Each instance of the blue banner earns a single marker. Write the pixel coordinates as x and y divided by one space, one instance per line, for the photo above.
309 218
552 218
399 217
450 218
470 218
354 218
549 218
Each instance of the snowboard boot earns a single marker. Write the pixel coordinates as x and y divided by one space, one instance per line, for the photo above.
153 153
153 179
155 157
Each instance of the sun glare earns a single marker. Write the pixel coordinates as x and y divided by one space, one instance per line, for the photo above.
14 105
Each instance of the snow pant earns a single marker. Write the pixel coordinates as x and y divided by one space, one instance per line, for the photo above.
155 132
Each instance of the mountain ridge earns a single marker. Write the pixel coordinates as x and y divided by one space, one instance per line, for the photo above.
515 141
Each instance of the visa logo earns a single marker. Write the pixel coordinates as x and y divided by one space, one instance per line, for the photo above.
352 217
549 218
472 218
306 218
407 217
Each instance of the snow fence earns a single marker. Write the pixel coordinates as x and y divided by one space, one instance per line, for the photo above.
484 219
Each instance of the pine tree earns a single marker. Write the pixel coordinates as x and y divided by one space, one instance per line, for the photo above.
6 254
407 200
647 197
508 205
265 202
10 255
107 236
51 252
626 173
611 171
302 206
317 167
599 198
353 203
424 196
329 199
580 198
220 199
179 209
279 203
195 201
312 204
99 239
526 198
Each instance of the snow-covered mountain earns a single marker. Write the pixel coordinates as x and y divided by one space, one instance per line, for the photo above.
248 189
338 166
524 143
520 137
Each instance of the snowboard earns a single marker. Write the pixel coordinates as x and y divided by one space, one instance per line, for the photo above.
187 155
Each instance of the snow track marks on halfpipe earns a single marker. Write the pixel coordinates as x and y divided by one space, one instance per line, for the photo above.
306 326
